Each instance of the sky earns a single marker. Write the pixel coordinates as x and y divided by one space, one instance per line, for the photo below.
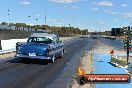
95 15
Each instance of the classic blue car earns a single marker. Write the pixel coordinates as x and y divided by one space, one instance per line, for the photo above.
42 46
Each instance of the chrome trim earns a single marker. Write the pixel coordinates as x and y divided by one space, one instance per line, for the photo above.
32 57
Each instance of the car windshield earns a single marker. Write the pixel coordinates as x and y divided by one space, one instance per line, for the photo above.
40 40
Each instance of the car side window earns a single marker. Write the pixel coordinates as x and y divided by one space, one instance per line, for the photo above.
31 39
55 40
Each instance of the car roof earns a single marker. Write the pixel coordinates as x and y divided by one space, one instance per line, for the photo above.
51 36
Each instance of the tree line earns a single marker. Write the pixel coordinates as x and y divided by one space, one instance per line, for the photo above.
63 30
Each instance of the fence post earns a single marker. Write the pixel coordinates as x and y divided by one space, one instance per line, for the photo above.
0 45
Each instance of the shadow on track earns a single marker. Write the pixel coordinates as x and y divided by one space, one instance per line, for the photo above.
24 61
112 64
100 61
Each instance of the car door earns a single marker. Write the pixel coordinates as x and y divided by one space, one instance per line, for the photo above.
58 46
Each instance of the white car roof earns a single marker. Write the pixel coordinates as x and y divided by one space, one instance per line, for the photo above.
51 36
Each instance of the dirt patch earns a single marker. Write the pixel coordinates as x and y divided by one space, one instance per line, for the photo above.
64 39
103 48
7 55
87 65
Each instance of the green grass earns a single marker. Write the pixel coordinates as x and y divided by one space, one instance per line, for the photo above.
119 62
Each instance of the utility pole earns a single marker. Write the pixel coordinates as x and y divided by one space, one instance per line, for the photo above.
29 24
128 43
45 19
9 19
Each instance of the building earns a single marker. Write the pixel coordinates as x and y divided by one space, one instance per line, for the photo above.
116 31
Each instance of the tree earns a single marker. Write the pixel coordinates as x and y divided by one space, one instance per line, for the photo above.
66 31
4 23
18 25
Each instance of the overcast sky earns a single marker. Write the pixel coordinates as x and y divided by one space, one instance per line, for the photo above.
96 15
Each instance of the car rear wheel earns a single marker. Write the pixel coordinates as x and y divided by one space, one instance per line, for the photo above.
53 59
62 53
20 60
81 80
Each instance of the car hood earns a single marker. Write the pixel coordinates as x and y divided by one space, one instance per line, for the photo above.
38 49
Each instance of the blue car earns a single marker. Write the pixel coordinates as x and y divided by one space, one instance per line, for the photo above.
41 46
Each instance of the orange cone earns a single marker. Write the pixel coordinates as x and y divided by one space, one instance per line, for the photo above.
81 71
111 51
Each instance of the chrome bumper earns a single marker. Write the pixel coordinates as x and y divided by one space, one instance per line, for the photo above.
32 57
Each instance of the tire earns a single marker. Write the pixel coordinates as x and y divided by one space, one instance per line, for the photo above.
62 53
44 62
19 60
81 80
53 59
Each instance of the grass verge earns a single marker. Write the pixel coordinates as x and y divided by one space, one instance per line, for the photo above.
119 62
